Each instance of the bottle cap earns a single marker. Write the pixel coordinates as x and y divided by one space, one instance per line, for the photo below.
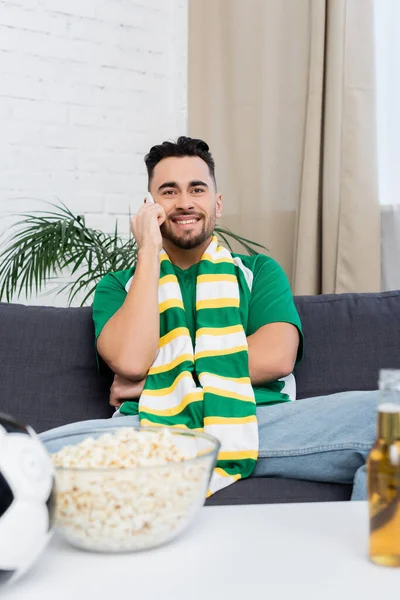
389 379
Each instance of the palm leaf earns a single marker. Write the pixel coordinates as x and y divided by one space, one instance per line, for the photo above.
248 244
225 239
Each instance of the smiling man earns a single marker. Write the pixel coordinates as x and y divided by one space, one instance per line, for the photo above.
182 221
199 337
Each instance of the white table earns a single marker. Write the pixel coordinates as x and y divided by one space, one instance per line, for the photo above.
268 552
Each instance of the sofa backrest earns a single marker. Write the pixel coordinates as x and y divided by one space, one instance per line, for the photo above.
48 373
48 366
348 339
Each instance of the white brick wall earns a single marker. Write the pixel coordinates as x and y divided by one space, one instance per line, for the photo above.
86 87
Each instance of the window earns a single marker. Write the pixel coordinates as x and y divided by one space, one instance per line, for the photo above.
387 34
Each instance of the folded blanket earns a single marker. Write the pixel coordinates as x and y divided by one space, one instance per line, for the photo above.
207 388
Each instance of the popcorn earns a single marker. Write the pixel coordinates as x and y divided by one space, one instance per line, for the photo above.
129 490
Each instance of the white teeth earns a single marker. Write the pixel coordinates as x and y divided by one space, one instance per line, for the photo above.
186 222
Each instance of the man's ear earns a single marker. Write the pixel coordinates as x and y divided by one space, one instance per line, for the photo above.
218 212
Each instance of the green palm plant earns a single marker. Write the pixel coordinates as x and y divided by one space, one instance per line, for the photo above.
44 244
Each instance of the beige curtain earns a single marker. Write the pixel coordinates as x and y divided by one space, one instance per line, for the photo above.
283 91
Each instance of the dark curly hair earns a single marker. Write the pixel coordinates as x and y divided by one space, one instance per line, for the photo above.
184 146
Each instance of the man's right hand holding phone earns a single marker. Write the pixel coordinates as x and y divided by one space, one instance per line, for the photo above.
129 340
145 226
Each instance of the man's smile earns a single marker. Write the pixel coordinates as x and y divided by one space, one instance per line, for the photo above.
185 222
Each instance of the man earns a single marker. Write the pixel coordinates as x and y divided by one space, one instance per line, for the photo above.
313 439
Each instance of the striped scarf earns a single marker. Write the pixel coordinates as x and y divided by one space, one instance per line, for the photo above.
223 405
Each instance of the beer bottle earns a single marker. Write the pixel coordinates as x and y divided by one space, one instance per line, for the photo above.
383 467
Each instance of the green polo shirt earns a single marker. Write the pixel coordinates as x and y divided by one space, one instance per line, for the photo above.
265 297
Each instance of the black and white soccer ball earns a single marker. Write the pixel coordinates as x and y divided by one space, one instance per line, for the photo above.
26 498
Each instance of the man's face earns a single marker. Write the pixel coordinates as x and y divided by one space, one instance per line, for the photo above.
185 189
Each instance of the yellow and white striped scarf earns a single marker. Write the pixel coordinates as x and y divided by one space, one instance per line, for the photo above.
223 405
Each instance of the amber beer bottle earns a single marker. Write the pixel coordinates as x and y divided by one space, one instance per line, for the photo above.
383 468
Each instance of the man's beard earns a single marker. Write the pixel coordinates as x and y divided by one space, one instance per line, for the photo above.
187 240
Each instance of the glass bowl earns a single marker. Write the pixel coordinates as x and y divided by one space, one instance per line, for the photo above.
126 509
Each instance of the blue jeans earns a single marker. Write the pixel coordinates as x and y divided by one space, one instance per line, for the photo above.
326 438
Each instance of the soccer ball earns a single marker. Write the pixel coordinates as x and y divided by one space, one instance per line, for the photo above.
27 498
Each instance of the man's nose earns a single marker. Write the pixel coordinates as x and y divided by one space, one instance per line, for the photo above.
184 201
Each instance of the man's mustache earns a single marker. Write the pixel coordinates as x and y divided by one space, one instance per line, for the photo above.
182 215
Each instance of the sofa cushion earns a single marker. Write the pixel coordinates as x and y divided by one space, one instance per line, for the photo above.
274 490
348 338
48 366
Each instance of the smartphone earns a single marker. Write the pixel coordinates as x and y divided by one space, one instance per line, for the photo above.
149 198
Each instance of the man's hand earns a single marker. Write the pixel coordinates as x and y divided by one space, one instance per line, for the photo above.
124 389
145 226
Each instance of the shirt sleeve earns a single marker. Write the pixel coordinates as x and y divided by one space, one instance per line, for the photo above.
109 296
272 300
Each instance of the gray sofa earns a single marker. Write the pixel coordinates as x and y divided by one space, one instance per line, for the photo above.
48 371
